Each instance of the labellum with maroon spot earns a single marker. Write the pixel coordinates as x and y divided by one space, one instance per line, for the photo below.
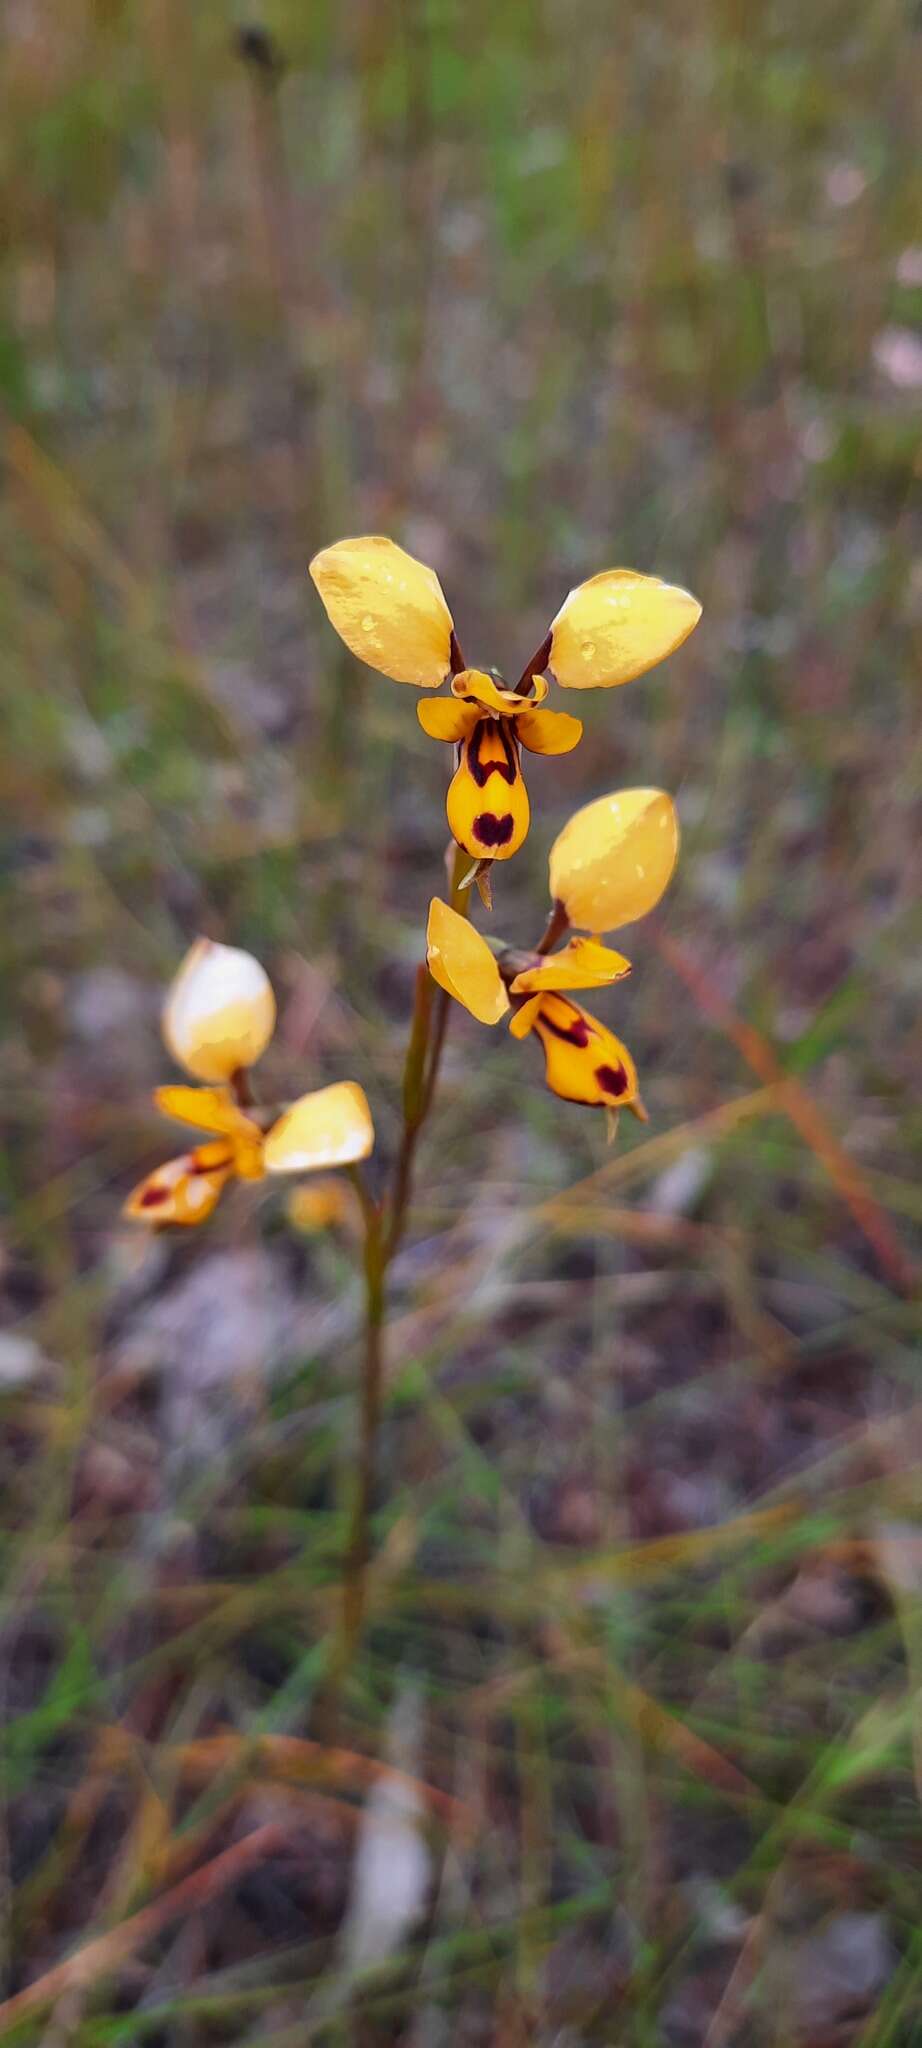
583 1060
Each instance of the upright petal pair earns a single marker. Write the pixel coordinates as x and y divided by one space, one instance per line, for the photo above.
390 611
217 1021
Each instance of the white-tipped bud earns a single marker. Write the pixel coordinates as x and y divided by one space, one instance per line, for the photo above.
219 1014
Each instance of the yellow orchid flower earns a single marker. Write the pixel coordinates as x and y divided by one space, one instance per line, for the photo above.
584 1061
613 860
331 1126
390 611
217 1021
487 804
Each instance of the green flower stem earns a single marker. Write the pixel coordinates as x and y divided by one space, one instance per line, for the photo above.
358 1548
384 1226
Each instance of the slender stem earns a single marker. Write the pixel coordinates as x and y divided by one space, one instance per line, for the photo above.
384 1227
558 923
359 1544
421 1071
414 1107
442 1014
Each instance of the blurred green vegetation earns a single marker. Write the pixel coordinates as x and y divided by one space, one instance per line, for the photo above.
535 289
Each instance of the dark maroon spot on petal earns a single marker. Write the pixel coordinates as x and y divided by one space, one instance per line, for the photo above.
492 831
577 1033
613 1079
152 1197
480 770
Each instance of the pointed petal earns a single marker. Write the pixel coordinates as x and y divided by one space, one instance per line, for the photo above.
522 1020
184 1190
583 1060
487 804
473 687
548 732
613 860
461 962
582 963
209 1109
616 626
387 607
443 719
331 1127
219 1013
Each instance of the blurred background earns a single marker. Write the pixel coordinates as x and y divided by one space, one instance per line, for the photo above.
630 1751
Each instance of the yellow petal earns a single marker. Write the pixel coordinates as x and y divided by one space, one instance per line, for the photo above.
548 732
209 1109
487 804
476 688
617 626
582 963
331 1127
219 1013
184 1190
212 1109
463 965
249 1146
443 719
522 1020
613 860
583 1060
388 608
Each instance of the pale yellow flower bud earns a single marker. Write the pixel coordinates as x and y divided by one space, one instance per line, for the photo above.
219 1014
